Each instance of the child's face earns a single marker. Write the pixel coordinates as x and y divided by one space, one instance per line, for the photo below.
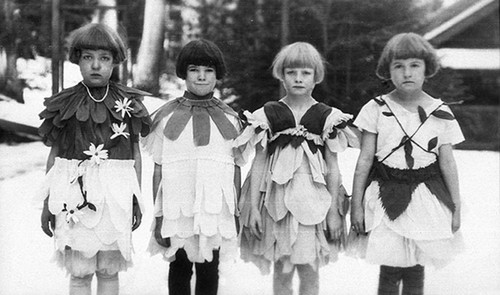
298 81
408 75
96 67
200 80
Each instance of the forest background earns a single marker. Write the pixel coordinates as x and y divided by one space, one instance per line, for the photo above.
349 33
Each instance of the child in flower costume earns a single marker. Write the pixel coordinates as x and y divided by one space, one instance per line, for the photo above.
92 197
291 208
405 193
196 181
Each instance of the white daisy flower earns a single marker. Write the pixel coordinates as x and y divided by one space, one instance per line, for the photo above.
97 154
123 106
119 130
73 216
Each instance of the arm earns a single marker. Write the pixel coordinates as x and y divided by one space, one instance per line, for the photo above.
256 174
334 220
237 187
157 176
450 174
362 171
48 219
136 210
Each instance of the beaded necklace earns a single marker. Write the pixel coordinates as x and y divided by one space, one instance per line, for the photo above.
93 98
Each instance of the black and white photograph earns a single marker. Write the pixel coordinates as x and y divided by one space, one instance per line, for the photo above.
249 147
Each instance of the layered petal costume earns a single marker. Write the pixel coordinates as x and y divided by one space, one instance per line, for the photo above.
192 140
294 197
93 181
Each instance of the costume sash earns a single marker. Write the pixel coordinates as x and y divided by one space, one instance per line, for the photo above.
398 185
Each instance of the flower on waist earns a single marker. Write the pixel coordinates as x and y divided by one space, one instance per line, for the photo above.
123 106
97 154
72 216
300 130
119 130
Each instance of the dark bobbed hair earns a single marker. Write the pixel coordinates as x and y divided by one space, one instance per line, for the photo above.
200 52
404 46
94 37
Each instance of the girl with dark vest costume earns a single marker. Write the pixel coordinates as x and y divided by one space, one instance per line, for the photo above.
92 189
405 191
196 182
291 199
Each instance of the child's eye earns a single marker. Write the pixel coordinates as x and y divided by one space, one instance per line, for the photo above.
86 57
106 58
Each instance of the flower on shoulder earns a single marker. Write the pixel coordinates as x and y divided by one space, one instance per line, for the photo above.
123 106
97 154
119 130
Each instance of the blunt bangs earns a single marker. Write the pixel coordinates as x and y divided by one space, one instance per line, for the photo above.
299 55
201 53
95 37
404 46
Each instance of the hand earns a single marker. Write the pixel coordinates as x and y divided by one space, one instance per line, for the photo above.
164 242
455 220
256 223
48 220
136 214
335 228
358 218
237 223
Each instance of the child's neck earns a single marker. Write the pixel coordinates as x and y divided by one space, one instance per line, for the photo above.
410 100
191 95
299 102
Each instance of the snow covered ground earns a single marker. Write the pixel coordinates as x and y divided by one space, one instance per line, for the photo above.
25 252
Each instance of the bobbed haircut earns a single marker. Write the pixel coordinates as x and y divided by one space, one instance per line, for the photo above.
299 55
404 46
200 52
95 37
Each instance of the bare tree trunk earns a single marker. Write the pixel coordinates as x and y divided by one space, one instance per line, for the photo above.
147 70
10 85
285 30
107 16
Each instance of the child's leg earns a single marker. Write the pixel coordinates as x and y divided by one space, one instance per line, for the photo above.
179 274
109 263
80 285
207 276
389 279
81 269
309 279
107 284
282 282
413 280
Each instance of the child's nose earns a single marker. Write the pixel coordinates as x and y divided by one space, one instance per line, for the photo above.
95 64
201 75
407 71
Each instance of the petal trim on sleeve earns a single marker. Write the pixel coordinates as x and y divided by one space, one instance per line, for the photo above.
339 132
255 132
